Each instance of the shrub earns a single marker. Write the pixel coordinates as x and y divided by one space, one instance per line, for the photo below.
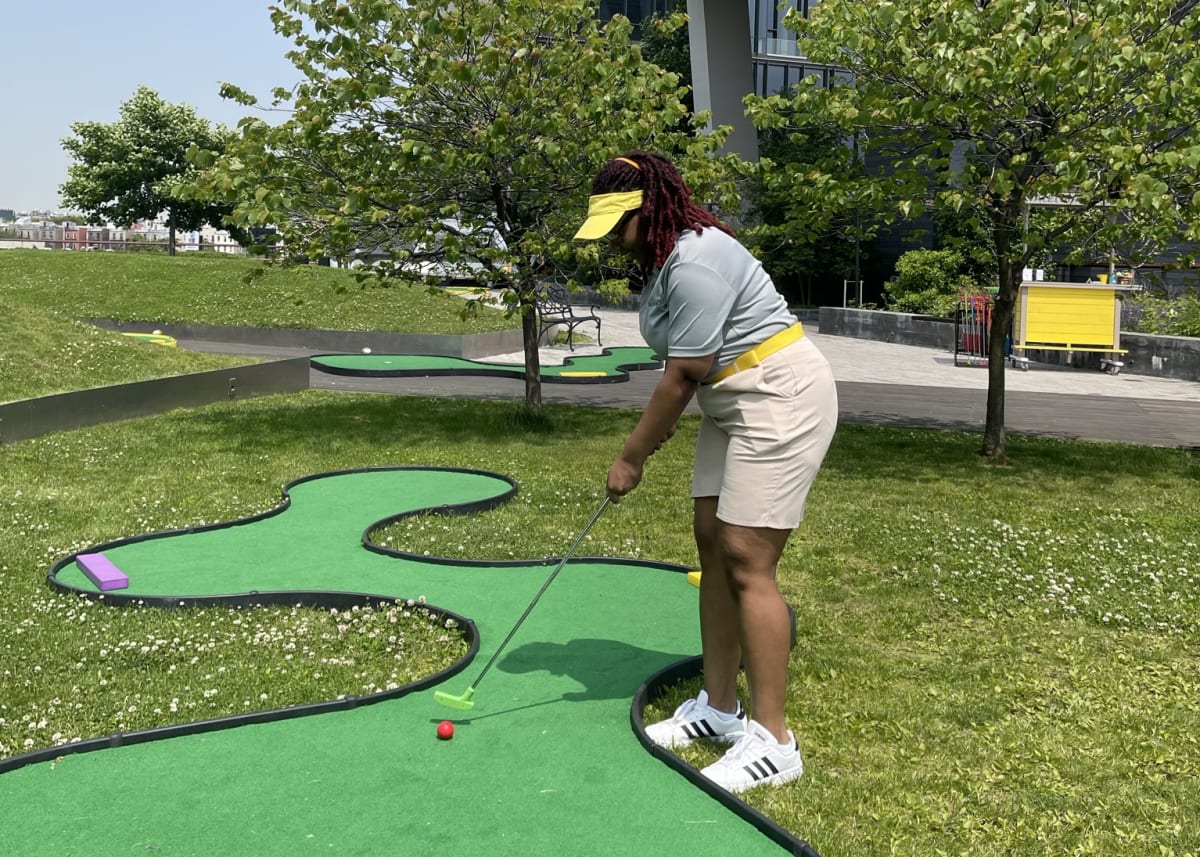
1166 316
928 282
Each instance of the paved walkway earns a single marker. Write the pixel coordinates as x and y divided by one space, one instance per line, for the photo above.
878 382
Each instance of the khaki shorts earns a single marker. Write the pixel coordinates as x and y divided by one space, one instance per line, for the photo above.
764 435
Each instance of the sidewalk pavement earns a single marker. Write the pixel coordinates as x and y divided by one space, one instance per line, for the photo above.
878 383
867 361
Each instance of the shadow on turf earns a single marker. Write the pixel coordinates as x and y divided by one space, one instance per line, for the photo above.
602 667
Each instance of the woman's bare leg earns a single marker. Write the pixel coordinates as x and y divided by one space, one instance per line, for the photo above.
719 635
743 618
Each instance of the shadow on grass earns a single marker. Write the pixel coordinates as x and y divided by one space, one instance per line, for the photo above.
934 455
326 417
864 453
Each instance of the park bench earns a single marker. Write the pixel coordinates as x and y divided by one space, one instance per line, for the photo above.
554 309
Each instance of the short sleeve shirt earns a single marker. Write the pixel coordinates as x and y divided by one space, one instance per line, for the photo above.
711 296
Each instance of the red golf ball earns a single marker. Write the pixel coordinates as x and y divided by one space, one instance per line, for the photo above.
445 730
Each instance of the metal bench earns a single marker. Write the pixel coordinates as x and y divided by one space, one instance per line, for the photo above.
554 309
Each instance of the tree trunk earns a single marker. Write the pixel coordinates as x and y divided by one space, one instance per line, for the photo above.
170 233
533 363
1005 228
1002 316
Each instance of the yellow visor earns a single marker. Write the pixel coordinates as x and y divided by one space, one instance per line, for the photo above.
604 210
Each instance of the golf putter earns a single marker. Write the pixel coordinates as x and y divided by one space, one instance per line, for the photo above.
463 701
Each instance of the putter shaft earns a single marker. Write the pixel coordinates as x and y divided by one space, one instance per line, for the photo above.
450 700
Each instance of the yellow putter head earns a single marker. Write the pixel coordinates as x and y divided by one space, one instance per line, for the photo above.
462 702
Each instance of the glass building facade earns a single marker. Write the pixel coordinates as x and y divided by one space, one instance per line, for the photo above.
778 62
634 10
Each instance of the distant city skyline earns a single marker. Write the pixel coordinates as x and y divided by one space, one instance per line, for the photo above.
79 60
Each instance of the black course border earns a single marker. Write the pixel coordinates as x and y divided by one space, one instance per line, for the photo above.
652 688
254 598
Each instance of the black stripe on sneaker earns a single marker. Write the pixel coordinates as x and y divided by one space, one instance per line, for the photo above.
760 769
699 729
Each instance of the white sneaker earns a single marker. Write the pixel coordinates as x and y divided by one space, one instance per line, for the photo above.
757 759
697 719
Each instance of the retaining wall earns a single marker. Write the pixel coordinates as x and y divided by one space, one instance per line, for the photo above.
1157 356
29 418
470 346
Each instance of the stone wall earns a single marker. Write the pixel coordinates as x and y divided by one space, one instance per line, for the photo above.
898 327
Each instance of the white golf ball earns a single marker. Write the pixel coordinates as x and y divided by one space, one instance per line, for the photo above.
366 351
157 333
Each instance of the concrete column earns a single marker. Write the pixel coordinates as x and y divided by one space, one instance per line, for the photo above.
722 68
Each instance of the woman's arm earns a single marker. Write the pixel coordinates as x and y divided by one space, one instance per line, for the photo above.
671 395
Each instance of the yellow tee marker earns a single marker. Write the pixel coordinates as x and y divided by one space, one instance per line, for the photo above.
155 338
694 578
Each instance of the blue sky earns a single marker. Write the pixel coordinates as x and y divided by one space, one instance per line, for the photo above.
78 60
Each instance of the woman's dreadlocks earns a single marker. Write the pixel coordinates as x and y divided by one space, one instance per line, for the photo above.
667 204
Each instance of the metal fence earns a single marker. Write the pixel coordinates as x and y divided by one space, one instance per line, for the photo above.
972 330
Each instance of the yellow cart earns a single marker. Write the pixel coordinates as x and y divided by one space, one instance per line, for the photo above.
1069 317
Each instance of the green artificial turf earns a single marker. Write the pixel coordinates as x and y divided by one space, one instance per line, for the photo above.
544 763
612 364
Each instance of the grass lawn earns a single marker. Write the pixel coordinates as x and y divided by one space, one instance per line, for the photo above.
44 349
992 659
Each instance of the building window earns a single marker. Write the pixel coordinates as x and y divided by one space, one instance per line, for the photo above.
770 37
634 10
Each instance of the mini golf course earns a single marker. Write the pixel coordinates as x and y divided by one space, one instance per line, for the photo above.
612 365
550 761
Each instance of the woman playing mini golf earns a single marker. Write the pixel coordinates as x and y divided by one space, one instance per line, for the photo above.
769 407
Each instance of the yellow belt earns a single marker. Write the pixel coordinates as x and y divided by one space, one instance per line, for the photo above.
760 352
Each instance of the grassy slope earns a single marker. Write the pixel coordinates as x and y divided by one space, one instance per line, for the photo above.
44 350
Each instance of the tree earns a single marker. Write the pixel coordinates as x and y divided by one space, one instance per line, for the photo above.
665 43
129 170
991 108
423 130
804 251
805 248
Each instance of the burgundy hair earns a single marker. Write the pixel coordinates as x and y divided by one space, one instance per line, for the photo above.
667 204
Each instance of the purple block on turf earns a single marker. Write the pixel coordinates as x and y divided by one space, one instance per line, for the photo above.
101 571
